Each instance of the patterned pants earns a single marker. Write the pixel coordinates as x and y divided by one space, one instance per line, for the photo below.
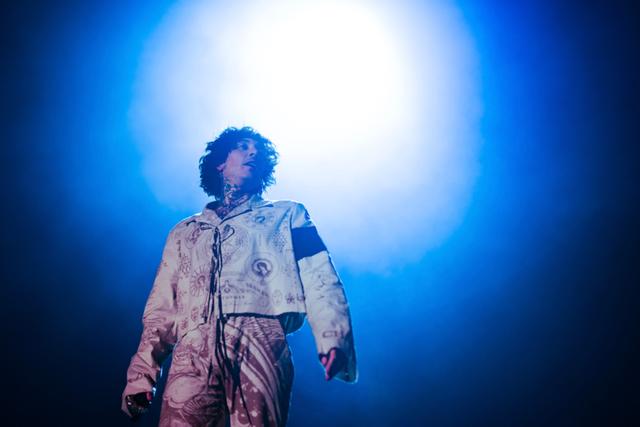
252 388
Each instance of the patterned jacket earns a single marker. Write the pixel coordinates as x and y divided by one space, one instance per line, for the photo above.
271 262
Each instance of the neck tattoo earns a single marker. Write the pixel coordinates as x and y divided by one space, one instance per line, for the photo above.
232 196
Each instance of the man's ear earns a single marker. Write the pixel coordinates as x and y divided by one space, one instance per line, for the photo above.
221 166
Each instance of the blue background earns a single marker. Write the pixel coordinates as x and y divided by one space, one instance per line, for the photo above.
525 316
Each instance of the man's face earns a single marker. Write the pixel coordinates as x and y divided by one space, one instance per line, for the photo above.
243 166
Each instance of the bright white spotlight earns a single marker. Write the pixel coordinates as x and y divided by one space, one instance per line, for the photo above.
372 107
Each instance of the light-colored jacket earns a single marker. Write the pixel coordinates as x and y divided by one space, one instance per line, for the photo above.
272 263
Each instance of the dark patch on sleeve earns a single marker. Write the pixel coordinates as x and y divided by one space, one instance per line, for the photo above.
306 242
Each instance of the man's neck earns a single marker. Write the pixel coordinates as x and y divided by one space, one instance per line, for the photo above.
232 196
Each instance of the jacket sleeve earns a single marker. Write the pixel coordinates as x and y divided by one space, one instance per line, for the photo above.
159 329
325 299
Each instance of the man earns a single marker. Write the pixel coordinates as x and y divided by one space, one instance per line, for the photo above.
233 282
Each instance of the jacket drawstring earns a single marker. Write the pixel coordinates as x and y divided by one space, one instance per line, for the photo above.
221 345
216 270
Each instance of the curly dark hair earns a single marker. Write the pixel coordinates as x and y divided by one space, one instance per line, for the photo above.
216 154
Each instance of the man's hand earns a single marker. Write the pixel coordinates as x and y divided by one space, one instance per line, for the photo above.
138 404
333 362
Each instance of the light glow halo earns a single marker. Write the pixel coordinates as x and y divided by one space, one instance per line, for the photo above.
372 106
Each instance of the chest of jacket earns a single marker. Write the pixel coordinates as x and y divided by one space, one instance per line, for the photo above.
258 270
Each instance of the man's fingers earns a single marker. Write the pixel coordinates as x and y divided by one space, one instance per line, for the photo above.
329 366
332 357
333 362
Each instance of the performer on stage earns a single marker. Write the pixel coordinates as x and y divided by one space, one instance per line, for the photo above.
234 280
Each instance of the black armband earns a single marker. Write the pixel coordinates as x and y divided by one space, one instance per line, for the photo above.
306 242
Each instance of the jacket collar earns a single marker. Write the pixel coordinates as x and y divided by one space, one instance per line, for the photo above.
209 214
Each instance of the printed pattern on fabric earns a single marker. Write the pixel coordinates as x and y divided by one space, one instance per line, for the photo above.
273 264
200 392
